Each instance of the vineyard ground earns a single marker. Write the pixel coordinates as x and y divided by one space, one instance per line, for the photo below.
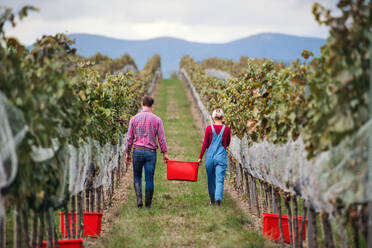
181 215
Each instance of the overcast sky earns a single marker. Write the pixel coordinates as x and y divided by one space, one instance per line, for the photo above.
194 20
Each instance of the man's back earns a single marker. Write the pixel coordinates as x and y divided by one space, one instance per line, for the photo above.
142 132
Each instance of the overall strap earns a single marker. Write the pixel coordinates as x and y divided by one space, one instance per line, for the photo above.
223 129
213 131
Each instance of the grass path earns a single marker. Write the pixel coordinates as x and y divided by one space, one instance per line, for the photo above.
180 215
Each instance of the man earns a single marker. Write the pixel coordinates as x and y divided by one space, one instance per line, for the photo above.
142 132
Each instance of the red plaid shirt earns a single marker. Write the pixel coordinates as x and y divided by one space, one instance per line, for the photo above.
142 132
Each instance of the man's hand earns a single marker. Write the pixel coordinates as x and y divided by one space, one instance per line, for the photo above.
128 158
165 156
199 161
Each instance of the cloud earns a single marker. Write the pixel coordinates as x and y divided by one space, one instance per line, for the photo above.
203 21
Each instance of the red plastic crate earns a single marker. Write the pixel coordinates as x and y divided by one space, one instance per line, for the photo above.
271 227
68 243
92 224
182 170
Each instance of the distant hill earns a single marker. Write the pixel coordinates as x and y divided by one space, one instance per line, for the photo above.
279 47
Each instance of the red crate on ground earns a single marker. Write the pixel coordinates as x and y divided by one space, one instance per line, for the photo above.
182 170
68 243
92 224
271 227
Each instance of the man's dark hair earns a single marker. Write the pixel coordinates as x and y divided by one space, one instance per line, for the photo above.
148 101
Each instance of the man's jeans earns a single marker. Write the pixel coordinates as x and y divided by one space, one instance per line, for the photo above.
147 159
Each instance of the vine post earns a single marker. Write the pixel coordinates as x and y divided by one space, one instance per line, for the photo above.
98 193
295 226
67 226
256 197
287 201
278 202
304 214
41 229
312 231
18 228
247 188
73 223
369 177
34 229
2 231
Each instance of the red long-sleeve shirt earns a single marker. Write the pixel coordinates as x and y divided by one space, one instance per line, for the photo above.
208 136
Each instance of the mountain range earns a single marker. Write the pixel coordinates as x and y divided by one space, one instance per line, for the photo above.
279 47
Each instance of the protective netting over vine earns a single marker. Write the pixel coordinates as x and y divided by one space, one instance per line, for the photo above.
12 131
155 78
221 75
334 178
89 165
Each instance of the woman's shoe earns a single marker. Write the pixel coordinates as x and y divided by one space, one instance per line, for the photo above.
218 202
138 189
211 203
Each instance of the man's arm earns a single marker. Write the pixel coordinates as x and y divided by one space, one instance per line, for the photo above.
162 140
129 141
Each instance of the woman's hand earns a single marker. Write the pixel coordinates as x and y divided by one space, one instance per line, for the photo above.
199 160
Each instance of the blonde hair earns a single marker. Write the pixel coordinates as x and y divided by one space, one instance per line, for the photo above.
217 114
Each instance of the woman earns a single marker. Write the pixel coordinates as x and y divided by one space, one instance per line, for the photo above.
216 140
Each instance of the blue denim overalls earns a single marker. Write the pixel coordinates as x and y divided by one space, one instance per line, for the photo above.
215 164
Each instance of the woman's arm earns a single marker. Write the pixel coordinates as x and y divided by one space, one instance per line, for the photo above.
206 142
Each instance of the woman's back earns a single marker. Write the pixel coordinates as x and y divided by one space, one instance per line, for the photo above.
208 136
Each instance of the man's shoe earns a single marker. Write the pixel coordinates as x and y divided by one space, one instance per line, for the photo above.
148 198
218 202
211 203
138 189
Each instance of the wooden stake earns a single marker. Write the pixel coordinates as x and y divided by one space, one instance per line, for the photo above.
2 231
267 198
328 234
55 236
73 210
18 228
262 195
26 234
278 202
99 194
112 184
287 200
364 221
241 180
295 232
304 214
256 196
248 190
253 195
67 226
354 223
50 229
119 170
104 203
87 200
343 234
312 231
34 230
92 199
41 229
80 202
